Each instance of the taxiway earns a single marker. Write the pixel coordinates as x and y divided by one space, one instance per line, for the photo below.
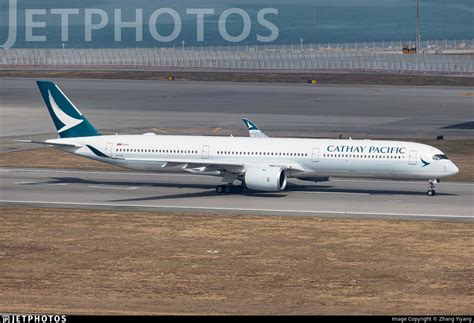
350 198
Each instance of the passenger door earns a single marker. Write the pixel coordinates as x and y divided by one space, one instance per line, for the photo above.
109 149
413 157
315 155
205 152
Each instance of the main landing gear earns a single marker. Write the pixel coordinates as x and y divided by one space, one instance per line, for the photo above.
227 189
431 187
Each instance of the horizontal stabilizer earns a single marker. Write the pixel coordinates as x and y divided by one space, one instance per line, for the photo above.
49 143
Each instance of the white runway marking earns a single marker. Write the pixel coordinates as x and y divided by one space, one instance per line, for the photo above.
112 187
336 193
279 211
39 183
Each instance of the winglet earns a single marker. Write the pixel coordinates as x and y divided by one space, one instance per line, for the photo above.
254 131
250 125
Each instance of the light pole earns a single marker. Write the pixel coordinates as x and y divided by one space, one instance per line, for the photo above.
315 7
315 25
418 37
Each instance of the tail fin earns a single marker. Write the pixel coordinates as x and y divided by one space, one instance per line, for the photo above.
254 132
68 120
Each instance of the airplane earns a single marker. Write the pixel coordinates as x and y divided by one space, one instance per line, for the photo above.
259 163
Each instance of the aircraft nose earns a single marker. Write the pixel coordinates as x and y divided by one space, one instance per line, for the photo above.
453 169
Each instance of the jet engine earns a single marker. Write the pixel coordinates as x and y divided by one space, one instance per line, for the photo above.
266 179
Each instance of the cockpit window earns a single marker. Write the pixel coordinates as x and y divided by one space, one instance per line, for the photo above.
440 157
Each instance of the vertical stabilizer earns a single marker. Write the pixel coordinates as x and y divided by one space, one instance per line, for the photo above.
69 121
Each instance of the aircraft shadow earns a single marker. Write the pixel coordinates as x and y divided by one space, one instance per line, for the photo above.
199 194
210 189
211 192
75 180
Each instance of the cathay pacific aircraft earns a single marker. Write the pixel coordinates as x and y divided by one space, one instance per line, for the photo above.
257 162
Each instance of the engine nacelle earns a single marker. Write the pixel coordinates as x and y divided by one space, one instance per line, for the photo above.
266 179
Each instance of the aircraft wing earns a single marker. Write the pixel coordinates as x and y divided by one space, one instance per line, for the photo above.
208 165
254 131
193 165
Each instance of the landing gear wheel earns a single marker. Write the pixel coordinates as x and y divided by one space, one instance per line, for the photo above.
227 189
431 188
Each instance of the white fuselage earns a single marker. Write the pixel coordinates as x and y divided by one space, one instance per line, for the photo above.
311 157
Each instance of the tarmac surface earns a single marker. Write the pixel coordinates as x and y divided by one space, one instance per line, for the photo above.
214 108
350 198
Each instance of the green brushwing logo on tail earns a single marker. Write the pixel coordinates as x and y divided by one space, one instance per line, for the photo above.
69 121
250 125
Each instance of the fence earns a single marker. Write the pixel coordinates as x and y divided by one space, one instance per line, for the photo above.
250 59
431 46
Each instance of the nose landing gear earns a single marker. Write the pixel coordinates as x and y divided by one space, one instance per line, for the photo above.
431 187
